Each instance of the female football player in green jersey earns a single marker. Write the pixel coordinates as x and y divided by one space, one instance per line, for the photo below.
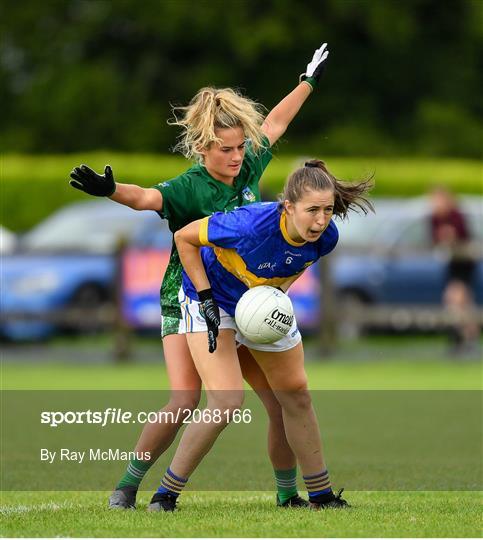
246 248
228 137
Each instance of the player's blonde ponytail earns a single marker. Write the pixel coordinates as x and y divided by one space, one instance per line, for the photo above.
213 108
315 176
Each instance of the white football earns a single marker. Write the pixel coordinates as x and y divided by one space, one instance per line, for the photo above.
264 314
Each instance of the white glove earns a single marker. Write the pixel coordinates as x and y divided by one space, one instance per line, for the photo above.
316 66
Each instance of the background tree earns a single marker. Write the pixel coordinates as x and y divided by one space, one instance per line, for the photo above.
405 77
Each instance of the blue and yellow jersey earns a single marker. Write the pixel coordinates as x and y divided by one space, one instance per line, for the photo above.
250 246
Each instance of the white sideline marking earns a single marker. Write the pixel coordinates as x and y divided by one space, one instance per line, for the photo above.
23 508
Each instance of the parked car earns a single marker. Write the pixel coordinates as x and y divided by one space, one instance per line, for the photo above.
68 261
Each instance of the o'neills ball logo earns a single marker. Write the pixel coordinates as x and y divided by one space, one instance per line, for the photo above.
279 321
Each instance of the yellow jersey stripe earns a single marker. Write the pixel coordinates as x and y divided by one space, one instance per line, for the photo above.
203 234
235 265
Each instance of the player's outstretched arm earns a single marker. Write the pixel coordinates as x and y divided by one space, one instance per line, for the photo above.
103 185
279 118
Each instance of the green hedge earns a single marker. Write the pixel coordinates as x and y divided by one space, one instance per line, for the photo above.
33 186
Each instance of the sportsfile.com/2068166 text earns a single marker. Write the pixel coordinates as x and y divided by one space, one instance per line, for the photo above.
113 415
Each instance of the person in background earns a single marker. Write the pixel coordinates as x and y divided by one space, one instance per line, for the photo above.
450 232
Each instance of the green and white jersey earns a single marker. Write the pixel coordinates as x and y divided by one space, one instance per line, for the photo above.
196 194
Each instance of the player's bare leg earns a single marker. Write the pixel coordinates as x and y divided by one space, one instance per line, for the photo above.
281 455
223 381
222 378
185 384
156 437
286 375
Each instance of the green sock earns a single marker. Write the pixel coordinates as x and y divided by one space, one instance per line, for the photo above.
134 473
286 484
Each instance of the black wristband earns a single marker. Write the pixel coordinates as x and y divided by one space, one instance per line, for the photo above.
206 294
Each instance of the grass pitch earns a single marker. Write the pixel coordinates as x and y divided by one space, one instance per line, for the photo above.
398 373
249 513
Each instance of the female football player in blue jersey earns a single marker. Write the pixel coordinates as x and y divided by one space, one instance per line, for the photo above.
225 254
229 138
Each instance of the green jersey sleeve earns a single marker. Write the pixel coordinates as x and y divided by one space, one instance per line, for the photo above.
177 198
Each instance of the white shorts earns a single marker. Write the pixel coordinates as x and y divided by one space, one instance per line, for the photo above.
194 322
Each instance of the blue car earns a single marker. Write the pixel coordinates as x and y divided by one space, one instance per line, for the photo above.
68 261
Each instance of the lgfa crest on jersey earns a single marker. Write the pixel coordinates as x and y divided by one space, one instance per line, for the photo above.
248 195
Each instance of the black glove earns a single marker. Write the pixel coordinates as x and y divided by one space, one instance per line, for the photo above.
315 67
210 312
100 185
